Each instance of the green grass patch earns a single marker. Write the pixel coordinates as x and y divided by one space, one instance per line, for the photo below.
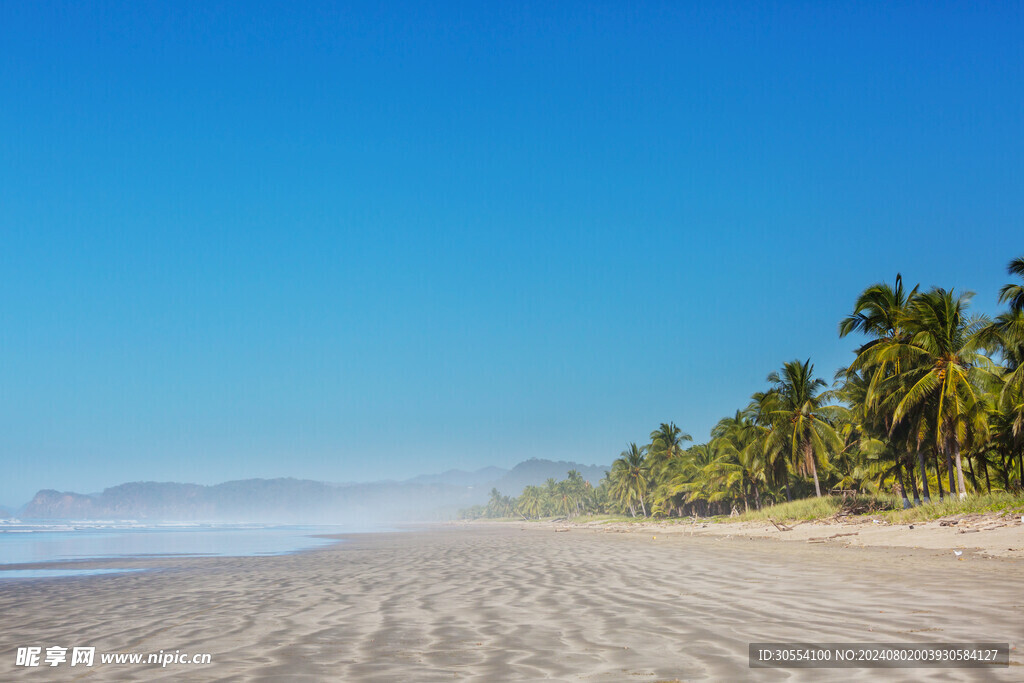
819 508
950 507
888 508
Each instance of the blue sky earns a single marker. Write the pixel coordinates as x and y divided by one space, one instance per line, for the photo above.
350 241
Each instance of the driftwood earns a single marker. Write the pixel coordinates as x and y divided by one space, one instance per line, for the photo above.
780 527
823 539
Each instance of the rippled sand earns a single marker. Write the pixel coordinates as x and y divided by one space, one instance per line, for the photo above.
506 603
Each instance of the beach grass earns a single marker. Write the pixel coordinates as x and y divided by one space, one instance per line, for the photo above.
888 508
988 503
881 507
808 509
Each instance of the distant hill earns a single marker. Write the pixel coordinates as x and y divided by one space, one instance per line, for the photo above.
461 478
251 500
427 497
534 472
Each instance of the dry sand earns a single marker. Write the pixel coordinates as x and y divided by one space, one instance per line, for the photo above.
517 603
990 535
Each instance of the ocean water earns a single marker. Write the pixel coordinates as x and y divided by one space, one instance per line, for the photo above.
26 542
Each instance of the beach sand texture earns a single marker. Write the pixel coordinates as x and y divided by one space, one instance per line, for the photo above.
511 603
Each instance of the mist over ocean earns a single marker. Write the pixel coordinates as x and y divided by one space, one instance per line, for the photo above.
55 542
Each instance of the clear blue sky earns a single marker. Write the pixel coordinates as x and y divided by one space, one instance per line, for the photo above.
349 241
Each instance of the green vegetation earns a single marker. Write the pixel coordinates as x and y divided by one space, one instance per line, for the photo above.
571 497
932 404
887 508
819 508
997 502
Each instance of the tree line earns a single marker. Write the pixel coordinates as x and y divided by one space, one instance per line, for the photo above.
932 405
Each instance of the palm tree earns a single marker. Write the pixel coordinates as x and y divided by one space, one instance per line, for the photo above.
802 427
867 449
630 477
742 464
576 488
1005 336
945 374
776 465
530 502
1014 294
663 454
699 476
881 312
499 505
667 443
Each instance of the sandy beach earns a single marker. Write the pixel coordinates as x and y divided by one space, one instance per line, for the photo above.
517 603
981 535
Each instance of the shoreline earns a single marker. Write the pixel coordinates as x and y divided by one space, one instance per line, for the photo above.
980 535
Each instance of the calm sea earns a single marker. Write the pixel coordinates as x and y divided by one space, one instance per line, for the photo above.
26 542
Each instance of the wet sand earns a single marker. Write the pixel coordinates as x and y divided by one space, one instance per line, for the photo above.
516 603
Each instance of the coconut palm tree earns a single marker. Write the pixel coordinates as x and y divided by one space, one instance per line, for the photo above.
776 465
530 502
881 313
667 443
630 477
801 422
576 489
738 440
945 373
869 453
663 456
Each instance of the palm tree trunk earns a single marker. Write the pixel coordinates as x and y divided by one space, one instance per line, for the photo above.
809 458
971 474
913 483
899 480
960 474
938 475
988 482
924 475
642 506
949 470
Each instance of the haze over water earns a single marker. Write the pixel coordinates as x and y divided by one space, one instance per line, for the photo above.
56 542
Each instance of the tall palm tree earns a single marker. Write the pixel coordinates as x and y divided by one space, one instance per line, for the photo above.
631 478
946 374
881 313
667 443
663 455
529 503
576 488
802 423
